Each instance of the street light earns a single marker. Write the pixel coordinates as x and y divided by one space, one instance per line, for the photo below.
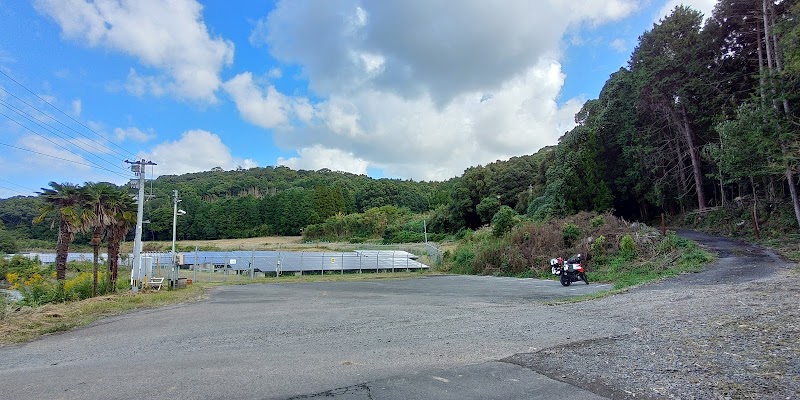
175 213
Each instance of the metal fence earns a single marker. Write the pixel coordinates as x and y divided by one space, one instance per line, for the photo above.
434 252
215 266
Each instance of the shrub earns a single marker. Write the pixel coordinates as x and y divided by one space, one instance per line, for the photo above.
570 233
627 247
598 247
463 259
503 221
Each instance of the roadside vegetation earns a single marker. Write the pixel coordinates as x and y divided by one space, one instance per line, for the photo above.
615 251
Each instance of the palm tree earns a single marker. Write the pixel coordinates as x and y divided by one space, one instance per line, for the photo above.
121 209
96 198
66 201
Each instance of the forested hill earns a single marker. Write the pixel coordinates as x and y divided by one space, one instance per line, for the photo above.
282 201
704 115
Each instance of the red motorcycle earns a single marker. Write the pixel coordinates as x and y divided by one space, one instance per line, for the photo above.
570 271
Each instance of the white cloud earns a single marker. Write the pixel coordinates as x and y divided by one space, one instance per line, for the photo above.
76 107
318 157
196 150
620 45
348 46
467 85
704 6
49 156
139 85
134 134
268 109
414 138
169 36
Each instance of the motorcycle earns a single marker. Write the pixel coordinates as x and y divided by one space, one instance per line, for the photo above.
569 271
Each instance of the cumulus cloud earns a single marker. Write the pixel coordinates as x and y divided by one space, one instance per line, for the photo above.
196 150
417 88
266 108
169 36
318 157
424 46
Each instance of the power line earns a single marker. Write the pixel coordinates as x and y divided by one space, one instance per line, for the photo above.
103 146
14 190
80 144
53 142
62 112
33 190
63 159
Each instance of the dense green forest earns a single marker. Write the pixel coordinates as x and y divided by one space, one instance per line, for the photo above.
704 115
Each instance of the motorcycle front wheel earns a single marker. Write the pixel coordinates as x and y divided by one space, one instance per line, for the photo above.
565 281
584 278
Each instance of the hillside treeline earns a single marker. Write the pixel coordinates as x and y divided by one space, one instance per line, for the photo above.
705 114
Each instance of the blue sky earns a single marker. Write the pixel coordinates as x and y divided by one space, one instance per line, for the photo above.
417 89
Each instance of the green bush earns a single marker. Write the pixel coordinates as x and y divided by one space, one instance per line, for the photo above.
571 233
598 221
463 259
598 247
23 267
627 248
503 221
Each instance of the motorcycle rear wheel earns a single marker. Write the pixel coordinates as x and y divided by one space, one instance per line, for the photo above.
584 278
565 281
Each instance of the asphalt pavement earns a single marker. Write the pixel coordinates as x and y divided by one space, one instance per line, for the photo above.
432 337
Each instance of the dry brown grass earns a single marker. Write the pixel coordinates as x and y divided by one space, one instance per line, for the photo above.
27 323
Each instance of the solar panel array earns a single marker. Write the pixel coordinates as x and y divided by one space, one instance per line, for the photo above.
272 261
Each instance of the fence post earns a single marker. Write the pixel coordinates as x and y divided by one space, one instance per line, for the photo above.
196 263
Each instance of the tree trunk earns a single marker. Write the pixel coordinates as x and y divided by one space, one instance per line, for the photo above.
96 259
792 189
694 155
769 39
113 260
62 250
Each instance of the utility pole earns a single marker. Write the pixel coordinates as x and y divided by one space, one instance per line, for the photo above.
138 168
175 213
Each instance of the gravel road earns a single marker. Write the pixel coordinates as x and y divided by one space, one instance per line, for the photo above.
728 332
